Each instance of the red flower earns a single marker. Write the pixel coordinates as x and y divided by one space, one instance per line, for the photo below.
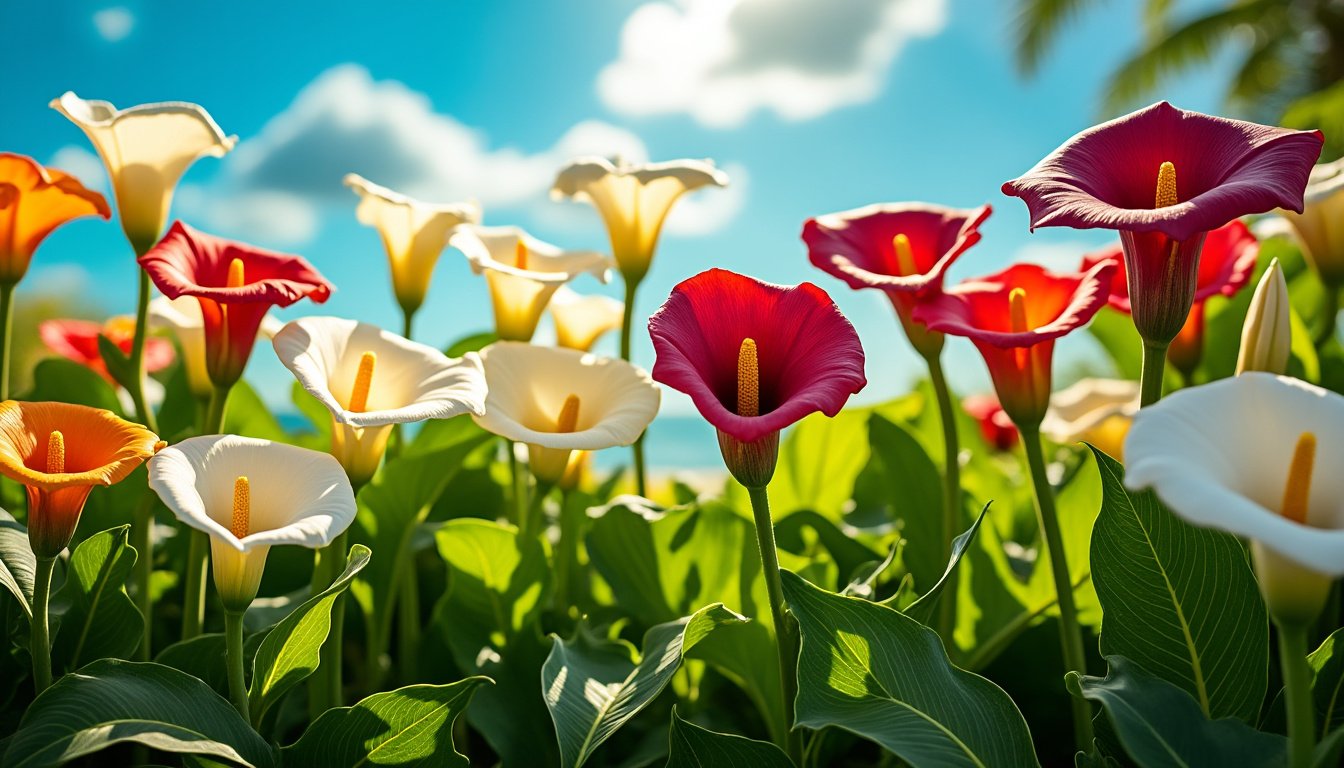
236 284
78 340
1165 177
861 247
1013 318
995 425
803 357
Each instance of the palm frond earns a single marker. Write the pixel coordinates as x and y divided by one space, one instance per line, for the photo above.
1037 25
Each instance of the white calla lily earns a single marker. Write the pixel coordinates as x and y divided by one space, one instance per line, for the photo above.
634 200
288 495
182 316
581 320
1225 455
146 149
414 234
1320 226
371 379
561 400
1096 411
522 272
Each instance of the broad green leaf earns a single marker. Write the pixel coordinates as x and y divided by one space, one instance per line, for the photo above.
1160 725
902 483
289 654
18 564
1180 601
316 414
1116 334
98 618
246 414
411 727
922 609
872 671
118 363
592 687
204 656
691 746
472 343
794 530
1327 684
112 701
60 380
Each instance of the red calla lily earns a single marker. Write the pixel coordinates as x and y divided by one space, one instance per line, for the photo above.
996 427
77 340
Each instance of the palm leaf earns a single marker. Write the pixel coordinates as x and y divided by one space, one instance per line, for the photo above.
1037 25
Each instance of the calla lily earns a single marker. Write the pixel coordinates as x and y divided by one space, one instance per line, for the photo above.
370 379
562 400
1164 177
581 320
77 340
34 201
995 427
1319 225
236 285
1013 317
1267 332
903 249
249 495
59 452
414 234
522 272
146 149
1096 411
1252 475
182 316
634 200
755 358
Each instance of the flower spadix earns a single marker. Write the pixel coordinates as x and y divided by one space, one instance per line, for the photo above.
581 320
522 273
1265 475
146 149
370 379
34 201
59 453
755 358
183 319
1096 411
562 400
1319 226
634 200
414 234
250 495
77 340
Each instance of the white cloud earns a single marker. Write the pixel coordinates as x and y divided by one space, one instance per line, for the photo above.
722 61
82 164
114 24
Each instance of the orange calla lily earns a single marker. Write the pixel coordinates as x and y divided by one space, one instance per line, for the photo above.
59 452
34 201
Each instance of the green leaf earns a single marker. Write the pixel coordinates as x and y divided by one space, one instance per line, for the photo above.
117 362
246 414
1327 681
1116 334
472 343
922 609
98 618
872 671
410 727
289 654
18 564
1180 601
204 656
902 483
112 701
593 688
694 747
1160 725
61 380
793 531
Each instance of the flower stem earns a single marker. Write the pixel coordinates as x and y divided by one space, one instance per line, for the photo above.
519 482
39 640
327 688
1329 316
193 608
233 641
786 639
407 321
627 329
6 335
143 531
1150 378
534 519
1070 633
947 609
567 577
408 612
137 357
1297 694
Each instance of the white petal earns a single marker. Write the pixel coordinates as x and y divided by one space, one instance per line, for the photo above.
580 320
496 248
1077 409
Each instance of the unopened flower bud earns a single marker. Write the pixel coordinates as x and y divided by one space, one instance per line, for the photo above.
1266 335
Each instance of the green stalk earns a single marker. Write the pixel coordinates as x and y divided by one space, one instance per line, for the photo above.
193 608
137 388
786 638
408 612
1150 378
143 531
567 555
535 518
326 687
6 335
1329 315
519 483
947 607
39 640
407 321
1070 633
627 328
233 641
1297 694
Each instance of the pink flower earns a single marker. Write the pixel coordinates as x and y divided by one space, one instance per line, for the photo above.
996 427
77 340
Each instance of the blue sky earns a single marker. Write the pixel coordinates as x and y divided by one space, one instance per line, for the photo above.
813 112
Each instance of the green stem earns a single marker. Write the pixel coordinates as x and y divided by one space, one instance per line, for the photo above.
326 687
519 482
1297 694
137 357
143 531
408 611
534 521
1329 316
6 335
407 321
786 639
233 642
1150 378
947 608
193 607
567 554
214 412
39 644
627 328
1070 633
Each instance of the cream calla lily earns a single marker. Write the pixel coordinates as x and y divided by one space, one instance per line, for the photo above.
1266 334
581 320
182 316
146 149
414 234
1097 411
1320 226
292 496
561 400
634 200
522 272
370 379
